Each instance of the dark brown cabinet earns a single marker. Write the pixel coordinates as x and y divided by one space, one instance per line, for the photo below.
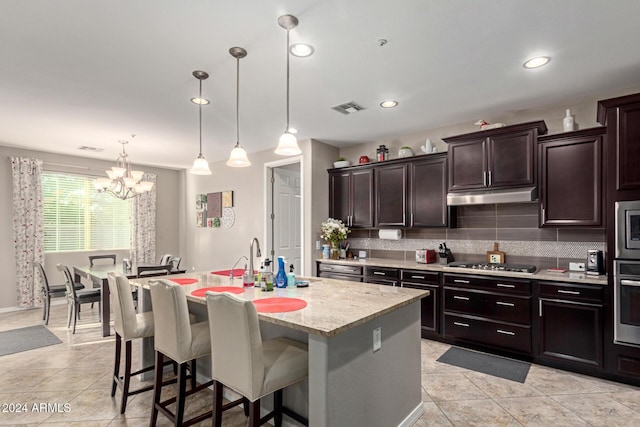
339 271
570 178
428 192
571 323
429 305
381 275
391 195
351 197
497 158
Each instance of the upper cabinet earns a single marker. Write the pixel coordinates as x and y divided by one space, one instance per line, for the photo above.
496 158
391 194
570 178
428 192
351 197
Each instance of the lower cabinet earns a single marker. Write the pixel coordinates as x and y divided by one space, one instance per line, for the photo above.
339 271
381 276
571 323
430 305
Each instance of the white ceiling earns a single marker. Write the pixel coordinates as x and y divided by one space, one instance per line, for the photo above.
78 72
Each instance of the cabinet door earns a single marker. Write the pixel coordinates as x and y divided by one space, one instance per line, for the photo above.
571 331
391 195
467 165
428 307
511 160
362 198
571 181
339 196
428 193
628 151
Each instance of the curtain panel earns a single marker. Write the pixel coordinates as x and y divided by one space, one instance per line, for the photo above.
28 228
143 224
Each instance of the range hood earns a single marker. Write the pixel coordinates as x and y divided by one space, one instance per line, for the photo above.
486 197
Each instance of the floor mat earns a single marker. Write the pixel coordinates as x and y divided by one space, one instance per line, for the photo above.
497 366
23 339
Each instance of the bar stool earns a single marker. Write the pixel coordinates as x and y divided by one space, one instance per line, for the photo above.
243 362
183 342
128 326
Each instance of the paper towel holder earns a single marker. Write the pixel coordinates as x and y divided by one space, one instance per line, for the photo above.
390 234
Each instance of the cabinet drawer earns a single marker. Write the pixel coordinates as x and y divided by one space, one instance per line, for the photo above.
338 276
344 269
378 281
503 285
498 307
490 333
420 276
571 291
381 272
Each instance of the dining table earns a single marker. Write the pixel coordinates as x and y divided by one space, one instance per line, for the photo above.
98 276
363 341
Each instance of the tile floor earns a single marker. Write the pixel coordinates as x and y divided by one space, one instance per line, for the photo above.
78 372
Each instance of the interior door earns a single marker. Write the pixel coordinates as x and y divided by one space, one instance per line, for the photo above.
287 240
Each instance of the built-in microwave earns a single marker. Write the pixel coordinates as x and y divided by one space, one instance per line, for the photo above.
628 230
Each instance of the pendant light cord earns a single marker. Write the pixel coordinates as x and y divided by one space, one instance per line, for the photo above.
200 118
287 129
237 102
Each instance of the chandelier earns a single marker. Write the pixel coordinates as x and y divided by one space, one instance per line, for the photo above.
123 183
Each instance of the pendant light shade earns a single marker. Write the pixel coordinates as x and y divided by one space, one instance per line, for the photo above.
288 143
238 157
200 164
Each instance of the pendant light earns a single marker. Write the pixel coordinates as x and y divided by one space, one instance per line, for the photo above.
200 164
238 157
288 143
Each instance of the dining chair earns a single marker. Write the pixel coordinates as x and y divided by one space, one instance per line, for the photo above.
180 340
93 258
165 259
153 270
175 262
76 298
128 325
242 361
51 291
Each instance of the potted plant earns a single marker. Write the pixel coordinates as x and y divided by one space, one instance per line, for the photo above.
334 232
341 162
405 151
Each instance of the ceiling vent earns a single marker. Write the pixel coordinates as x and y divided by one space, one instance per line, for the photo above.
87 148
348 108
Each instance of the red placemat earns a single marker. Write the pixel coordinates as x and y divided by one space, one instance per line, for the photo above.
184 281
278 304
233 289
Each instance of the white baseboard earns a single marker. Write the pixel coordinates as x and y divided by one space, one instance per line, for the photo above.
413 416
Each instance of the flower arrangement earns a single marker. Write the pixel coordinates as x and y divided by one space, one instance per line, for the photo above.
334 231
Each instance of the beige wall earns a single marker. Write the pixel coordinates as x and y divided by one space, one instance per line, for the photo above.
166 220
583 109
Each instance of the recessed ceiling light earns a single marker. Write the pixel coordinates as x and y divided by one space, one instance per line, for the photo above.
301 49
200 101
536 62
389 104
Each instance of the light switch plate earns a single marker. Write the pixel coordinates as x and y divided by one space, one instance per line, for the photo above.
576 266
377 339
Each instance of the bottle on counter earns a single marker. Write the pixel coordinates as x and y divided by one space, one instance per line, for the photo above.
267 281
260 273
291 278
247 277
281 276
568 123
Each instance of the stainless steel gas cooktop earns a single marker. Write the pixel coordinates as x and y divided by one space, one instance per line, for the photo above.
513 268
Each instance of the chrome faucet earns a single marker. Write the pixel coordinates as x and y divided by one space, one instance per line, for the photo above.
258 254
234 267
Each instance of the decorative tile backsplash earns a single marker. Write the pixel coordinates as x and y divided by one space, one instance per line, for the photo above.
513 226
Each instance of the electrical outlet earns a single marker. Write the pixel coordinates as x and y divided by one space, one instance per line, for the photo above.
362 254
377 339
318 245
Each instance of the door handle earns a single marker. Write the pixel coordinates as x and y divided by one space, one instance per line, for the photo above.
417 277
502 285
484 178
506 304
626 282
462 298
503 332
466 325
562 291
489 178
379 273
460 281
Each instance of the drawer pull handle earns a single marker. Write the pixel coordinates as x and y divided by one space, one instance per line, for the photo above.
507 304
466 325
328 268
417 277
500 331
627 282
460 281
462 298
379 273
502 285
562 291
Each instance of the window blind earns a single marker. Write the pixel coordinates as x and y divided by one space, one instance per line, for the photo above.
77 217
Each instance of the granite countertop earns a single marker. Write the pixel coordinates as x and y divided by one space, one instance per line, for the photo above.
333 306
573 277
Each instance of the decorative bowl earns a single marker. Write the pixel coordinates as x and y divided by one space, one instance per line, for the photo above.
341 163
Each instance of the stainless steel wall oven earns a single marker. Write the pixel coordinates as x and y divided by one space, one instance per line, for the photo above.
627 301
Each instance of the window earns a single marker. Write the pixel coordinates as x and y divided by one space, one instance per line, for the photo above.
77 217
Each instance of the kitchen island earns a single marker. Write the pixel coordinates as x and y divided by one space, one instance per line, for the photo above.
349 383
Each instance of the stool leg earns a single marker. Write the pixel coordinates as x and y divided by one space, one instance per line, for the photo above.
182 389
245 405
192 368
217 404
116 365
157 389
277 408
127 376
254 414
